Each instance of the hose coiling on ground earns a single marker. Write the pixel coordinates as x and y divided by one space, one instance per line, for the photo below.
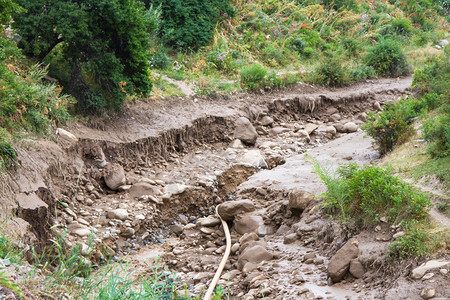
224 259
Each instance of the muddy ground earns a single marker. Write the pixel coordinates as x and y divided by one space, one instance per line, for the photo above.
144 184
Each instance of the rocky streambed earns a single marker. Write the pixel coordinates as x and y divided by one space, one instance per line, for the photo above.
144 187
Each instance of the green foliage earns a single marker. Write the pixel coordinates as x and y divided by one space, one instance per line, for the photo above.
434 78
104 46
6 282
222 60
399 27
417 242
364 194
332 73
387 58
342 4
159 60
363 72
190 24
437 132
252 76
7 7
391 126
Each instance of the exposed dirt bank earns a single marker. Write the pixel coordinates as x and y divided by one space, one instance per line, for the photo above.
144 183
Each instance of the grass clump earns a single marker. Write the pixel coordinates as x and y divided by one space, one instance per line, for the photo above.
364 194
387 58
252 76
331 73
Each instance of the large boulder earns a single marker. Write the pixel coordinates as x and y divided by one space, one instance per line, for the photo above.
245 131
255 255
340 262
350 127
247 223
143 188
299 199
114 176
65 135
228 210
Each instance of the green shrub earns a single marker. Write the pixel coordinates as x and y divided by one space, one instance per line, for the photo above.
434 78
387 58
363 72
8 156
308 52
399 26
391 126
437 133
418 241
159 60
252 76
298 45
273 55
364 194
331 73
190 24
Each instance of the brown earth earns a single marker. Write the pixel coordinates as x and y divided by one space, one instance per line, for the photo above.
179 166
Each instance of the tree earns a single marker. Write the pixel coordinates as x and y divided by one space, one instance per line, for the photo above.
190 23
6 8
101 46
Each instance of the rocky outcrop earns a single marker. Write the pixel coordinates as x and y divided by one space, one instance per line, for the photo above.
231 209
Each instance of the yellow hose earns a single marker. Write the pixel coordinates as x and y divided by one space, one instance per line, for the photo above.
224 259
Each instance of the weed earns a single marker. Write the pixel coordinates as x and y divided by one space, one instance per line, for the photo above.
252 76
418 241
364 194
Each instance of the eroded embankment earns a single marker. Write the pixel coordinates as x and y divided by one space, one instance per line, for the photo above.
180 160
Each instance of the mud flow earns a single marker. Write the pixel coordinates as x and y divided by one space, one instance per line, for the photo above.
145 185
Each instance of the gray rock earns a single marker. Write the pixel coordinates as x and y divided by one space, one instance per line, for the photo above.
228 210
428 293
278 130
247 223
377 105
290 238
127 232
362 116
418 272
350 127
114 176
236 144
175 189
266 121
335 117
299 199
119 214
79 229
340 262
245 131
331 130
210 221
176 228
254 255
252 236
255 159
309 128
356 268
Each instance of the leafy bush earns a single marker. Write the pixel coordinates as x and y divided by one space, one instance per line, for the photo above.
363 72
298 45
434 78
190 24
418 241
387 58
391 126
308 52
437 132
159 60
331 73
364 194
252 76
398 26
